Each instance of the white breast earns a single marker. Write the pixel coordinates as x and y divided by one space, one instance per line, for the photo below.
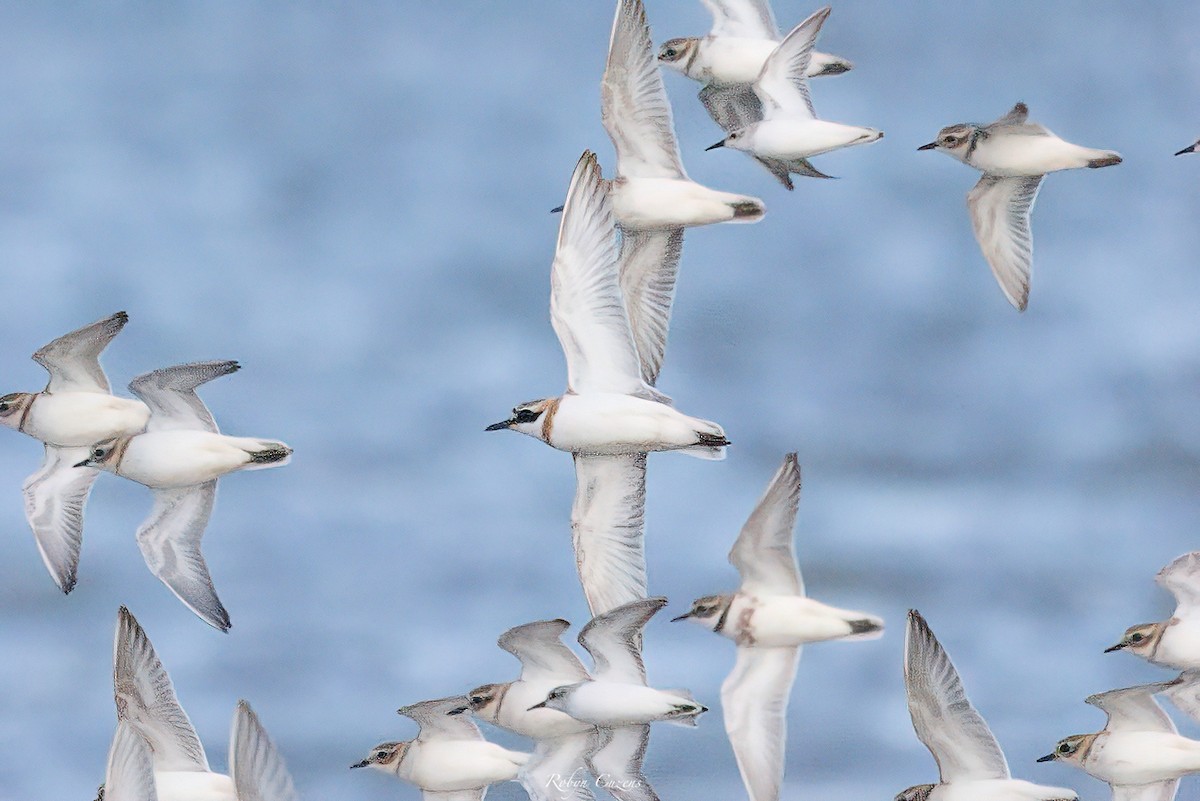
615 704
728 60
79 419
193 786
656 203
538 724
608 423
448 765
1142 757
1179 647
164 459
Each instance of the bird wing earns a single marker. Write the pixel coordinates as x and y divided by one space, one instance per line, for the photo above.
130 772
170 542
782 85
743 19
633 101
54 500
146 699
607 528
171 395
1000 209
587 310
454 795
1184 693
1016 121
613 639
1158 791
754 698
257 769
558 771
1181 578
942 715
1134 708
617 760
649 265
437 723
73 360
542 652
765 552
733 107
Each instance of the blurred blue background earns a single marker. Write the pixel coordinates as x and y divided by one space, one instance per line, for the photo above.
353 203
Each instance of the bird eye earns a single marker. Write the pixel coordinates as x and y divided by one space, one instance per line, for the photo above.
671 52
1137 637
3 407
1065 748
527 416
381 754
98 453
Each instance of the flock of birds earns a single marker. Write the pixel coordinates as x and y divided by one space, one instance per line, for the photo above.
612 287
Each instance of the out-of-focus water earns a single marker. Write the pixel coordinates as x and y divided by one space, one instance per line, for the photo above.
353 203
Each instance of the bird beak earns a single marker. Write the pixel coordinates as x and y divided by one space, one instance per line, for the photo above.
681 617
557 209
714 147
362 764
929 146
1047 758
500 426
1188 149
1116 647
537 706
458 710
84 463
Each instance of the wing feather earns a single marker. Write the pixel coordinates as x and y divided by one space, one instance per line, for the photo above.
1181 578
146 699
1134 708
130 772
618 759
542 653
614 641
1000 209
743 19
607 528
765 552
649 266
782 85
258 771
55 497
633 101
441 719
73 360
754 699
1158 791
170 542
558 771
171 395
942 715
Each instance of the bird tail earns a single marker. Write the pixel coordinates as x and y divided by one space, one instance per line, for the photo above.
266 453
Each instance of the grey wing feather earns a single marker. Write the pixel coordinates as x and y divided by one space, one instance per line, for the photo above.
55 497
171 395
257 769
782 84
732 107
1000 209
558 771
633 101
614 641
750 19
1158 791
130 772
1181 578
765 552
618 757
1184 693
170 542
649 266
436 722
146 699
754 698
1134 708
73 360
540 649
942 715
607 529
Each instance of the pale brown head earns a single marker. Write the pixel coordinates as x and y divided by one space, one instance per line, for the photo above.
956 140
678 53
1140 639
385 757
12 408
707 611
526 418
484 701
1072 750
105 455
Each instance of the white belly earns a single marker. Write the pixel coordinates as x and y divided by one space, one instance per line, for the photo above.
615 704
1179 647
193 786
655 203
163 459
1030 155
79 419
1000 790
1142 757
604 423
798 139
538 724
777 621
449 765
727 60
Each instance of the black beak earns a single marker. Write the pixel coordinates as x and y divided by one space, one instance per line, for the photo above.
929 146
500 426
362 764
714 147
537 706
557 210
458 710
681 617
1188 149
1047 758
1116 647
84 463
